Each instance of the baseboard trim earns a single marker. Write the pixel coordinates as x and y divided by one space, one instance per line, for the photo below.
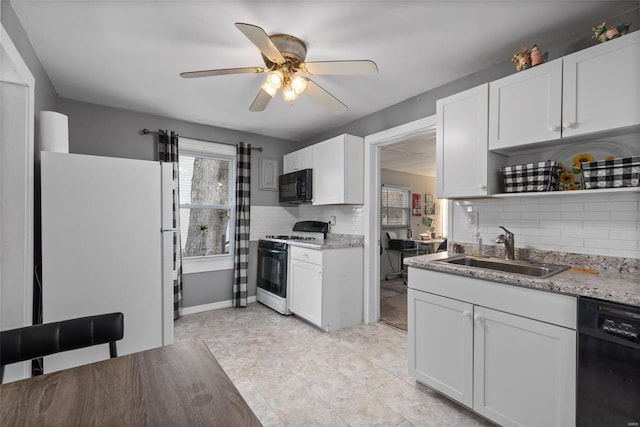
212 306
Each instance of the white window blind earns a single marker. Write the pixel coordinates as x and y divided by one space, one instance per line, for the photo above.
396 206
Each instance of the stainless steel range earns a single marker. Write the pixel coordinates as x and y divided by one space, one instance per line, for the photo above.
272 264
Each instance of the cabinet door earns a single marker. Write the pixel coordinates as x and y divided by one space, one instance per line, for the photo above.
305 292
525 107
461 144
329 171
601 88
305 158
290 162
524 370
441 344
297 160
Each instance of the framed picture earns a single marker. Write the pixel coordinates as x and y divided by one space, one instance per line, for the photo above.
429 208
428 197
416 205
269 169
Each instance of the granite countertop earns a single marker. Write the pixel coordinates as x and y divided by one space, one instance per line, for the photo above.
620 285
333 241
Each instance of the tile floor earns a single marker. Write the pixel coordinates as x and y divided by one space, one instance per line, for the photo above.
293 374
393 303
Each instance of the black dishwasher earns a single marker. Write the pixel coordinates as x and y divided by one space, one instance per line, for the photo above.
608 364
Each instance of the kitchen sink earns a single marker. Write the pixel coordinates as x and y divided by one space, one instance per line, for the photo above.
541 271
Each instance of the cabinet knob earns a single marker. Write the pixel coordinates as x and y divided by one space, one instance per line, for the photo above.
568 125
478 318
482 187
466 314
554 128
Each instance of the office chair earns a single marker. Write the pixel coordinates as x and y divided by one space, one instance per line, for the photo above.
32 342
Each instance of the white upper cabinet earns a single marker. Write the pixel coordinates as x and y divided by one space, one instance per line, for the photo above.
297 160
601 87
461 144
588 92
526 107
338 171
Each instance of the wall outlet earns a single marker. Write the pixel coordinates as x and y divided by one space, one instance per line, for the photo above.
332 220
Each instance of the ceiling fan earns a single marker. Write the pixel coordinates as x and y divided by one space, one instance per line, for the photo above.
284 58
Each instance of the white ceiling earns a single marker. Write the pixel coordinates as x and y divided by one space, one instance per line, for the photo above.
415 155
129 53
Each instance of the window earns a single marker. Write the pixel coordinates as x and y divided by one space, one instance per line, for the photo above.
207 200
395 206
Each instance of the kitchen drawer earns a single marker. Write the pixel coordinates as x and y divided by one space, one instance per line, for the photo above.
305 254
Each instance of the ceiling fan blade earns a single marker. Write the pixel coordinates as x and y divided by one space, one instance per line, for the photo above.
261 39
261 101
346 68
221 72
325 98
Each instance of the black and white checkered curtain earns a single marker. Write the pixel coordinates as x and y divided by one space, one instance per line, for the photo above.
168 152
243 208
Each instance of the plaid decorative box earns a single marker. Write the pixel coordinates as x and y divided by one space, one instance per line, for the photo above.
620 172
541 176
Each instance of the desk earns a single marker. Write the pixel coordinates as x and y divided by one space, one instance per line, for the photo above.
422 247
177 385
434 243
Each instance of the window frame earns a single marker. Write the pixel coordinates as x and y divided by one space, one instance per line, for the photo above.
384 207
194 147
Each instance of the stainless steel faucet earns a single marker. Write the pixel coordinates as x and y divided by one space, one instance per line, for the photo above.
509 243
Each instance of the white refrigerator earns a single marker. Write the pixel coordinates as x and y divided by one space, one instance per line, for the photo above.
107 246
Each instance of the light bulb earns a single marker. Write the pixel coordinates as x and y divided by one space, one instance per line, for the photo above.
288 93
275 78
299 84
267 87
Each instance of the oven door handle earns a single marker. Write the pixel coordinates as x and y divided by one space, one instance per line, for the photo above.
272 251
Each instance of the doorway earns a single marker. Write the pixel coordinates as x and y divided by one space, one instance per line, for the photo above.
410 214
16 194
372 214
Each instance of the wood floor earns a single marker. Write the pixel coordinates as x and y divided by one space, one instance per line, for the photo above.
393 303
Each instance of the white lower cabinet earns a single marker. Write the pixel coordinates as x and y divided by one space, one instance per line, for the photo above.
524 370
306 290
516 370
441 344
326 286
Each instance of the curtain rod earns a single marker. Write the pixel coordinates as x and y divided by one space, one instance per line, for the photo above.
147 132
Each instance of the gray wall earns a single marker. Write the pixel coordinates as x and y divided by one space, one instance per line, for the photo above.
46 97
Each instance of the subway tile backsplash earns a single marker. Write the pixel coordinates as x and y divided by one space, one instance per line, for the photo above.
596 224
280 220
349 218
272 220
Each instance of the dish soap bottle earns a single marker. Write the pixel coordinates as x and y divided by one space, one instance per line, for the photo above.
476 249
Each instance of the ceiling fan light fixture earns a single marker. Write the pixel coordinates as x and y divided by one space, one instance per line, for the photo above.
269 88
298 84
288 93
275 78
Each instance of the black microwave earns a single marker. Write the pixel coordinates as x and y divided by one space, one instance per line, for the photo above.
296 187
